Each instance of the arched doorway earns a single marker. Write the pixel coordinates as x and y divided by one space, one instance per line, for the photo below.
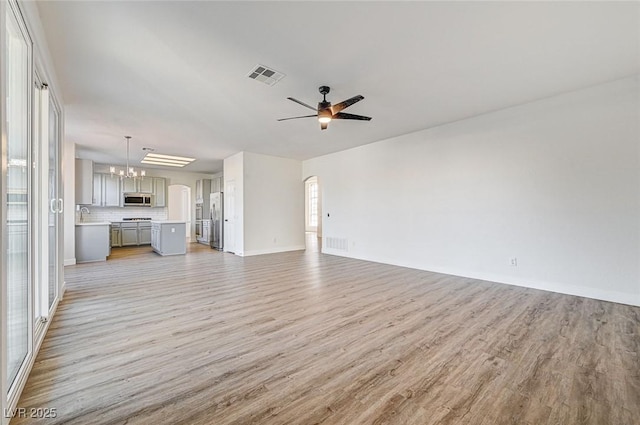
313 213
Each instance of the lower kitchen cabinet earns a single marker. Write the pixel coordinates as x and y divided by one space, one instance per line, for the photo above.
129 235
92 242
116 239
144 234
169 237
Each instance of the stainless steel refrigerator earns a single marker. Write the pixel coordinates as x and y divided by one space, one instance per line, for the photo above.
217 219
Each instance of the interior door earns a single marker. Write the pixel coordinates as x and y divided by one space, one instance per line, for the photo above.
230 216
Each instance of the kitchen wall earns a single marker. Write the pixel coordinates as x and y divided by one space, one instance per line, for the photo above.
552 186
173 177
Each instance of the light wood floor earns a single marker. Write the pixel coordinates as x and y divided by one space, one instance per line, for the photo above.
305 338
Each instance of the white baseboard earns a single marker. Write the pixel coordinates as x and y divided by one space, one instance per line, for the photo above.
69 261
273 250
558 287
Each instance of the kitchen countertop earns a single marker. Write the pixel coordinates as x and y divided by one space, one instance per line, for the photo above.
168 221
95 223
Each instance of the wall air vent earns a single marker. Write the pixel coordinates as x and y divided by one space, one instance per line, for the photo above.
265 75
339 244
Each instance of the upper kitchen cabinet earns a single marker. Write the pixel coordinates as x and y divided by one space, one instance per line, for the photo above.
203 189
84 181
106 190
160 192
217 184
145 185
138 185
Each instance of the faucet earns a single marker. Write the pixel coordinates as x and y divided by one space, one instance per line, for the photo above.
83 210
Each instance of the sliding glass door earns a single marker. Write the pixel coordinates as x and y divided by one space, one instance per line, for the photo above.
47 217
56 207
17 202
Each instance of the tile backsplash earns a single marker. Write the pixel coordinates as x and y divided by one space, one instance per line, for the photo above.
117 214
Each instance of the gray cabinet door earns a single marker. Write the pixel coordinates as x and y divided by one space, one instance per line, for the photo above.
97 190
145 185
155 237
144 235
129 186
111 191
115 237
129 236
160 191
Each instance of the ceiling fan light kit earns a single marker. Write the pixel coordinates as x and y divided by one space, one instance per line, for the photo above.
325 112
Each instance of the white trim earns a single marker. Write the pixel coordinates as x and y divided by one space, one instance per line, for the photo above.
272 250
3 217
558 287
27 366
69 261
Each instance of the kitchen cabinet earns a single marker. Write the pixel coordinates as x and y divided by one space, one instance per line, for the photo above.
145 185
169 237
217 185
129 234
92 242
144 233
138 185
106 190
203 189
205 237
116 239
160 192
84 181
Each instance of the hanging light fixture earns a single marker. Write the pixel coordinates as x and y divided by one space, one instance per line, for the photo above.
129 172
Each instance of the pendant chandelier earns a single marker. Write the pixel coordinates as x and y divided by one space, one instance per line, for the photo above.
129 172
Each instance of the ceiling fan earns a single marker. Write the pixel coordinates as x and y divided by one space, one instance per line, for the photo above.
326 112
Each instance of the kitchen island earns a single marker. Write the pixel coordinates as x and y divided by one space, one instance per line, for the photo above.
168 237
92 242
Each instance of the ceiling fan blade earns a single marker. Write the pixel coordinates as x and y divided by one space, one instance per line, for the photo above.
345 104
295 118
344 116
324 125
302 103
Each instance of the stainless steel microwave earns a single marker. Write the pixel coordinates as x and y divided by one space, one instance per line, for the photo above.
137 200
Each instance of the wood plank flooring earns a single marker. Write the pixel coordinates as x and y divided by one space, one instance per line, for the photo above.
305 338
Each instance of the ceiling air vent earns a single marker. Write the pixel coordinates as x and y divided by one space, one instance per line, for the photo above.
266 75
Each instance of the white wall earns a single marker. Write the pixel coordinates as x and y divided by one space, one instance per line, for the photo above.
273 204
555 183
69 218
234 173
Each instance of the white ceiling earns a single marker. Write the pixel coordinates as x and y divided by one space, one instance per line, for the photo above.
174 74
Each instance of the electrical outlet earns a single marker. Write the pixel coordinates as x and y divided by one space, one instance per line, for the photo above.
513 261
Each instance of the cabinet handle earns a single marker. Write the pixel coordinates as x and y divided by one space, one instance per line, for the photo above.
61 209
51 207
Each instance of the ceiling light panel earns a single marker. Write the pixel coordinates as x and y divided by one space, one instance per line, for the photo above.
166 160
179 158
144 161
266 75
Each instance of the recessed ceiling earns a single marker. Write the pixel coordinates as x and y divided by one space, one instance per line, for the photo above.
174 74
